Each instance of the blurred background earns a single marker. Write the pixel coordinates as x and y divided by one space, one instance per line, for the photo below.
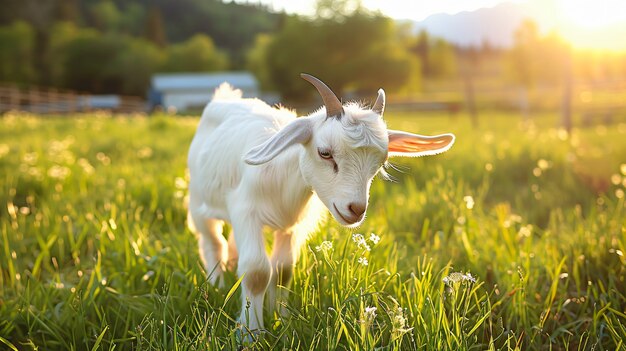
527 56
99 100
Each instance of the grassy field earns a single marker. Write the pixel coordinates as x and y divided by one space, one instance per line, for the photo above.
514 239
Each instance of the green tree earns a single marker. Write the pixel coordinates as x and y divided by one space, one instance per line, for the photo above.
106 16
535 58
422 48
154 30
357 50
198 54
109 63
17 45
67 10
337 9
436 55
61 35
523 67
86 65
256 61
441 59
136 64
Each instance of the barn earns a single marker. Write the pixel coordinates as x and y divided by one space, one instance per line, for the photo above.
191 91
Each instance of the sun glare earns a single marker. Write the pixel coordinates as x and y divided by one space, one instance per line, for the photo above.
593 14
593 24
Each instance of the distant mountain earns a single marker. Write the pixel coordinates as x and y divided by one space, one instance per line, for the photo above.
496 25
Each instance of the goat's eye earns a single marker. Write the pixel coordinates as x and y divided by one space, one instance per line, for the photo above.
325 154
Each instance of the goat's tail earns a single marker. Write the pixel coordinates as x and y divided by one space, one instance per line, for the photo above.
226 92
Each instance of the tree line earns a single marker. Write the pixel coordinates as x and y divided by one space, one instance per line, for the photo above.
115 46
109 46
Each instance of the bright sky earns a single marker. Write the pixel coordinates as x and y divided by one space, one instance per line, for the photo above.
400 9
585 23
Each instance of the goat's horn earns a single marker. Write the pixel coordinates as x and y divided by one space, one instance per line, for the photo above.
379 105
332 103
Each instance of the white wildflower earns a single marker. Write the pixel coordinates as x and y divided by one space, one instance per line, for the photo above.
458 277
363 261
398 322
59 172
525 231
103 158
374 238
616 179
30 158
359 239
543 164
86 166
469 202
180 183
370 313
324 246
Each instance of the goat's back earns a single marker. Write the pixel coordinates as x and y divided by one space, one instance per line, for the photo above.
229 127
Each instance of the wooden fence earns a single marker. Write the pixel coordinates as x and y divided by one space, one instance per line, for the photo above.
53 101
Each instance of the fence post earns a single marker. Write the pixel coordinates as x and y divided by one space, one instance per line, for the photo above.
14 98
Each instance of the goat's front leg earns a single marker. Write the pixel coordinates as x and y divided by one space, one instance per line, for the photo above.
254 265
284 255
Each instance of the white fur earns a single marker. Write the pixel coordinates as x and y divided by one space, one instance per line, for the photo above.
255 166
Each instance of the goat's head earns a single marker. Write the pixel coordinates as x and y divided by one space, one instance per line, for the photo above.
345 146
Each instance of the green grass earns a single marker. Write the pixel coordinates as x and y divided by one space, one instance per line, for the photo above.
95 253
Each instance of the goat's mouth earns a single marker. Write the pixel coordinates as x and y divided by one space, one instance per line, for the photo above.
345 221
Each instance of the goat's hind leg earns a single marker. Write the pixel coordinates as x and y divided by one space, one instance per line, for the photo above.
233 254
213 247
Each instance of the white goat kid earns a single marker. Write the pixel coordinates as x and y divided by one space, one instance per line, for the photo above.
256 166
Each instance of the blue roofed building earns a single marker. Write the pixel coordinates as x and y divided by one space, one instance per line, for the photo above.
192 91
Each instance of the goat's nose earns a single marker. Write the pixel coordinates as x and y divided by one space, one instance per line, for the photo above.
357 209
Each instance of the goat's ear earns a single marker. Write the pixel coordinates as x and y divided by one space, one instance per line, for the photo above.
414 145
297 131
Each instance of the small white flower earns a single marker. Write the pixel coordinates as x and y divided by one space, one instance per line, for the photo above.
458 277
469 278
374 238
370 313
324 246
59 172
525 231
469 202
398 321
180 183
359 239
86 166
363 261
